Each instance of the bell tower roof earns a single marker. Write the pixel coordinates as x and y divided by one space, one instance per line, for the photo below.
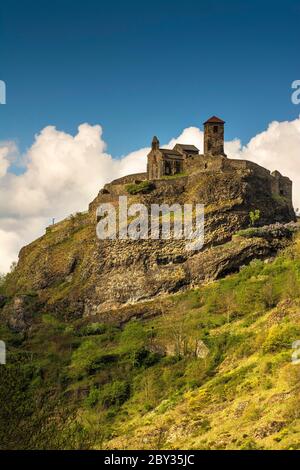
214 120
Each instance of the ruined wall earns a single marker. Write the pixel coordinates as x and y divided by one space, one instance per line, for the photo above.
204 163
134 178
281 185
278 185
264 188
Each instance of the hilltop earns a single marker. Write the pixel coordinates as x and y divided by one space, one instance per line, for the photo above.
143 344
73 274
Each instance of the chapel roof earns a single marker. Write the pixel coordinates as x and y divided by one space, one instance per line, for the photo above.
190 148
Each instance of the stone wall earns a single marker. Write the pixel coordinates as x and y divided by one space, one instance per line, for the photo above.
155 165
136 177
214 139
205 163
281 185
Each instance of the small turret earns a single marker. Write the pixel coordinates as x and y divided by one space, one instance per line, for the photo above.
155 143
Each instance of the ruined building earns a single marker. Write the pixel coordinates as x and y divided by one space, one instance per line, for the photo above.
99 276
168 162
184 159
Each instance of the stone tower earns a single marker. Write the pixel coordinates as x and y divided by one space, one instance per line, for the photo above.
214 136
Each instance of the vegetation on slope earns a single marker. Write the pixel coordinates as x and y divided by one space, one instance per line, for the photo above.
213 371
143 187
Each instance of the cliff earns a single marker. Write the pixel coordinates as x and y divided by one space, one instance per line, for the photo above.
125 344
70 272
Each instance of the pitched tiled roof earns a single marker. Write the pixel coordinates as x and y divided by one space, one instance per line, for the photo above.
214 119
187 147
171 153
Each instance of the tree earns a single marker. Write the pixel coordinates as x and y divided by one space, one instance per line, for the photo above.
32 418
2 279
254 217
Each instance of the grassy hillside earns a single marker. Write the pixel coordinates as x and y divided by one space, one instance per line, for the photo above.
213 371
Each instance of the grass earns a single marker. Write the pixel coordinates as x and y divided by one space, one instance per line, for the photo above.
253 232
173 177
143 187
148 385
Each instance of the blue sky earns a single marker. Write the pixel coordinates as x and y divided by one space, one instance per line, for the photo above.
140 68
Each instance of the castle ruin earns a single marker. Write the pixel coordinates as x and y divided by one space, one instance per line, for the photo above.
184 158
168 162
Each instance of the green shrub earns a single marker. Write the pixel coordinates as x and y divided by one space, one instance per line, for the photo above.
134 336
93 398
195 373
115 393
92 329
280 337
102 361
84 356
270 295
291 286
250 232
111 394
142 357
254 217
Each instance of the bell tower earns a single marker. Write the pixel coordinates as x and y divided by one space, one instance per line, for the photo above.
214 136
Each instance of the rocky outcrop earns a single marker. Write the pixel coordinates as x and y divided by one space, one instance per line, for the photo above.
19 312
75 274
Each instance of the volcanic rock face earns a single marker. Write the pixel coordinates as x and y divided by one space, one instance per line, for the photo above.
19 312
75 274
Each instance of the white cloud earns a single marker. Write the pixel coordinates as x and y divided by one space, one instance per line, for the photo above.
10 244
63 173
8 151
190 135
277 148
